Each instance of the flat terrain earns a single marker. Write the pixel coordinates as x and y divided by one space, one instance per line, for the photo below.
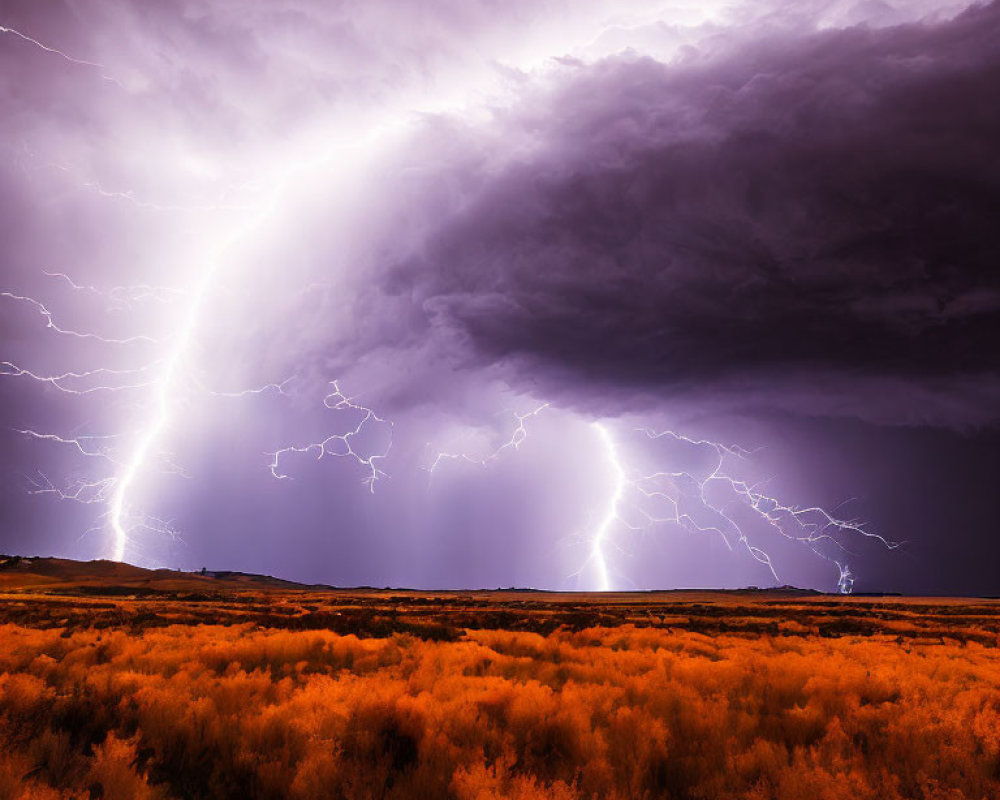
121 682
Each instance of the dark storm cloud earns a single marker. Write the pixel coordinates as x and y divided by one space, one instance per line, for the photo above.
810 218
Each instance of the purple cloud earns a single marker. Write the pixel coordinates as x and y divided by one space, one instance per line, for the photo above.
809 218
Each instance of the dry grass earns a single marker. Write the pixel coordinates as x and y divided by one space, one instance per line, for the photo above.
287 694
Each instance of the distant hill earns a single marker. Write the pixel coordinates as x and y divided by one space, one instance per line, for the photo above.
18 572
115 577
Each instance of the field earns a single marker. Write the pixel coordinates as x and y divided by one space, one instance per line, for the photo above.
121 683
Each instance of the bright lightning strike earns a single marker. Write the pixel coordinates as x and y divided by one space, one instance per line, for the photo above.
166 378
845 583
680 497
604 528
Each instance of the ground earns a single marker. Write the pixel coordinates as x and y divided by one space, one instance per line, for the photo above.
119 682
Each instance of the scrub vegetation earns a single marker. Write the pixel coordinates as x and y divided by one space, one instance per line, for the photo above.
362 695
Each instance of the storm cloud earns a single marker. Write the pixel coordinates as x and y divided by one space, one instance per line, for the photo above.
808 221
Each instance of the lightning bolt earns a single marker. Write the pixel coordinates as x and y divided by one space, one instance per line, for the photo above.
164 378
50 323
85 492
119 516
661 498
340 445
95 492
845 583
64 382
277 388
55 51
513 442
79 443
606 525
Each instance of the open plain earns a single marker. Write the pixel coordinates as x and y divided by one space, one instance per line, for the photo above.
119 682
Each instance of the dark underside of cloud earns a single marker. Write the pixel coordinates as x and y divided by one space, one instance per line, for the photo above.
822 206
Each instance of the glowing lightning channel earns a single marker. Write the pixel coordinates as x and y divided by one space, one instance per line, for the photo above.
63 382
845 583
118 512
517 437
50 323
158 423
617 494
277 388
336 400
810 525
79 61
78 443
165 374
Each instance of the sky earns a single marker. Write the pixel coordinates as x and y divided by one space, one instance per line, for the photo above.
565 295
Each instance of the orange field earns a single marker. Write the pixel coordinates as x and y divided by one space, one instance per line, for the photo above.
118 692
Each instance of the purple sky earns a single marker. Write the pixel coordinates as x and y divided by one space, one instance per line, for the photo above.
628 295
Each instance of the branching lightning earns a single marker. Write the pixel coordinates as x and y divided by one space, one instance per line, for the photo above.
130 454
340 445
641 501
679 497
81 444
50 323
65 381
167 376
277 388
513 442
